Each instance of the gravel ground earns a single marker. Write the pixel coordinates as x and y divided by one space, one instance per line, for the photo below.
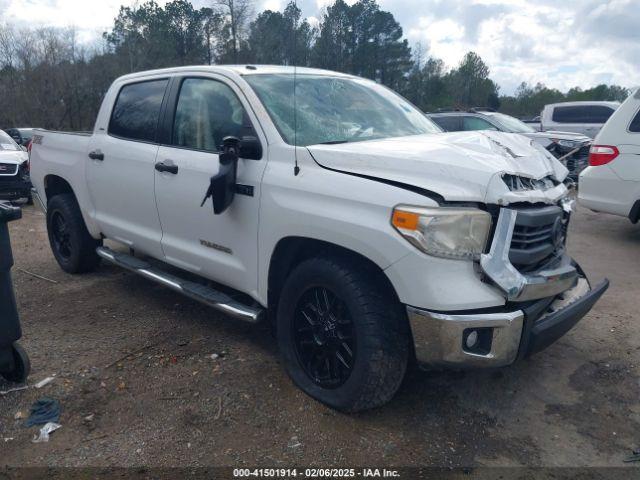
146 377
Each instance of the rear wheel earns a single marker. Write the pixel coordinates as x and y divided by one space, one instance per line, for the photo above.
342 334
72 245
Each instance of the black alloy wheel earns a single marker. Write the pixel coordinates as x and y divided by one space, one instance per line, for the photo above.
324 337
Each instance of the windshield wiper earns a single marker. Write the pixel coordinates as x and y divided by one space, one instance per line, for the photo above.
333 142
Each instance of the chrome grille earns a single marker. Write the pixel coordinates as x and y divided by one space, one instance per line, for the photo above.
8 169
538 236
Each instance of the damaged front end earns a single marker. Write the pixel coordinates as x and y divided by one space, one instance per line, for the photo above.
573 155
546 294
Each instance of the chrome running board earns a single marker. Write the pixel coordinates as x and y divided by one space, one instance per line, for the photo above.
201 293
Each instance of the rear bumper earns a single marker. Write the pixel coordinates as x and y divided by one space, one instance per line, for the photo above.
441 340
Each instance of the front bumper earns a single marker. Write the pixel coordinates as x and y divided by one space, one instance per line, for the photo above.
14 188
440 340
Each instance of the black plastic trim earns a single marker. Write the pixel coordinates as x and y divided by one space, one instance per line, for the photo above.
539 334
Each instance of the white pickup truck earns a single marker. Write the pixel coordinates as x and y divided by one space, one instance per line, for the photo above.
366 235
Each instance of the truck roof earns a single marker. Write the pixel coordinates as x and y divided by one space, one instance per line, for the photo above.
241 70
583 102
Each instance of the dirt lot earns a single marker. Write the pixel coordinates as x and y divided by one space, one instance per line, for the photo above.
169 403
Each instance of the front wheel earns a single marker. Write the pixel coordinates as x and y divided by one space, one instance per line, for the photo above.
342 334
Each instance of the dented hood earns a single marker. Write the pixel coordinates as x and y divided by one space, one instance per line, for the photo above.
459 166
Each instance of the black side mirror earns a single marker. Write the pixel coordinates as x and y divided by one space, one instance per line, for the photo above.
222 186
250 148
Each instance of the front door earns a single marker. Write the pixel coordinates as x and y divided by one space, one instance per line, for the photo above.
220 247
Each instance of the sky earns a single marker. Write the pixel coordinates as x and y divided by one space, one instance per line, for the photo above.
561 43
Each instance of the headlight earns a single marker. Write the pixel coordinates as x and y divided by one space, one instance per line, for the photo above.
460 233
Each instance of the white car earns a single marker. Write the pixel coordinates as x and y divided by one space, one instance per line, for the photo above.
353 223
571 147
14 170
581 117
611 183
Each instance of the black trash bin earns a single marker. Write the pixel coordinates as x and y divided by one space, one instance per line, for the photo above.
14 362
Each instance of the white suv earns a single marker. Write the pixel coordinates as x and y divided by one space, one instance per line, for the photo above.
580 117
611 183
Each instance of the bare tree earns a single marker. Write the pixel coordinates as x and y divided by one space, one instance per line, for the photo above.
238 13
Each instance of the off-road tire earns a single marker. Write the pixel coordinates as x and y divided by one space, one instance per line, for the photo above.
81 256
379 323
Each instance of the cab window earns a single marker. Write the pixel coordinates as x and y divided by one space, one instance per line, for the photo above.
137 110
207 111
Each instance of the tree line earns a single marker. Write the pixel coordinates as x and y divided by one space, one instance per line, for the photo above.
50 79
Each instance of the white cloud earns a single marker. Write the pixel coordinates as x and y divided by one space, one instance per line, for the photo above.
562 43
273 5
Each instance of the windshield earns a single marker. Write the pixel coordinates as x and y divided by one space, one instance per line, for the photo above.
7 143
511 124
336 110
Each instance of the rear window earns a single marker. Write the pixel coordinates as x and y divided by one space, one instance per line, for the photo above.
635 124
582 114
137 110
448 124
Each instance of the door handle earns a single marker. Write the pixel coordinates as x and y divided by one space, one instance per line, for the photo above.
163 167
96 155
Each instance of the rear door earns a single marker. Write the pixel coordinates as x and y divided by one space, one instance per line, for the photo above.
201 112
120 170
625 135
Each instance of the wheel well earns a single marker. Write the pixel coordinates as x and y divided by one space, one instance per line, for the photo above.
634 214
55 185
291 251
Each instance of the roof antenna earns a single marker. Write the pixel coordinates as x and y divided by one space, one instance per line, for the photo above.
296 169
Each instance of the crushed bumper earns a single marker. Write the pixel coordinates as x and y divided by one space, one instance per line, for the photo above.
443 340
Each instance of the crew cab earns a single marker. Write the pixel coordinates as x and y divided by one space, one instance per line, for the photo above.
14 170
328 205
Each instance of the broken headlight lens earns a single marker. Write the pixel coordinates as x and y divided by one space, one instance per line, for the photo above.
459 233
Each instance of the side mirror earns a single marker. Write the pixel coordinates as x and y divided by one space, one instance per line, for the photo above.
222 186
250 148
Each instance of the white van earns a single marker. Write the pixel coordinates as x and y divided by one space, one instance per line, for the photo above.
580 117
611 183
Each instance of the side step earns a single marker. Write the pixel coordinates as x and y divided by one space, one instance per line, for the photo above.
213 298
